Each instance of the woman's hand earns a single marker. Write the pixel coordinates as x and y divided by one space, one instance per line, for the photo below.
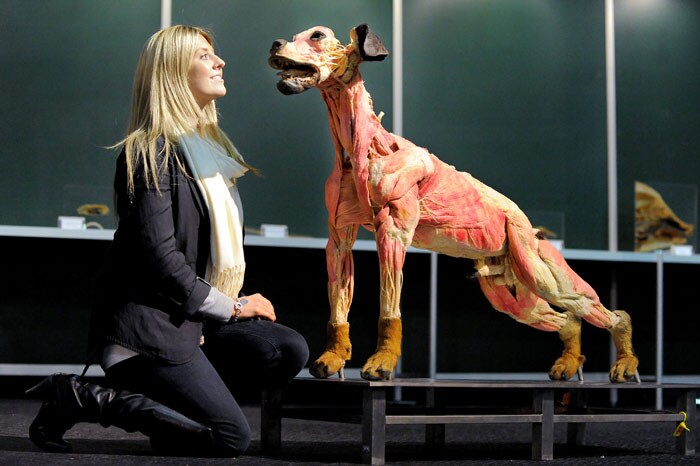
256 306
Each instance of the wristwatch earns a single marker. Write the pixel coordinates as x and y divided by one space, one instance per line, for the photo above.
238 306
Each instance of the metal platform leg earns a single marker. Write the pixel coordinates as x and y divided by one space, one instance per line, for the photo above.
543 432
575 434
373 425
434 433
685 444
271 421
576 431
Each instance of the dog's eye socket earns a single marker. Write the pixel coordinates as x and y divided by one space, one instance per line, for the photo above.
317 35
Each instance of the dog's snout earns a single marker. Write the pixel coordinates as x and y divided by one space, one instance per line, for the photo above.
276 45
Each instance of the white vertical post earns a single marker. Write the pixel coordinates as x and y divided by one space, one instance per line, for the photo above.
659 328
397 67
397 111
166 13
397 95
611 105
432 353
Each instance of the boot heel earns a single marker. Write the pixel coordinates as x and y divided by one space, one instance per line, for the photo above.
44 388
40 390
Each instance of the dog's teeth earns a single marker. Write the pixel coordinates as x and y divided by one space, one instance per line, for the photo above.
294 73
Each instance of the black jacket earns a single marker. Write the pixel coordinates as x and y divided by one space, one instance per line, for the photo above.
149 290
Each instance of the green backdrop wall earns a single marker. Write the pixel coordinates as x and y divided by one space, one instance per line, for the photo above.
512 91
65 78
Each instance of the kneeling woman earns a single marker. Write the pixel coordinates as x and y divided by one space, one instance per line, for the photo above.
173 275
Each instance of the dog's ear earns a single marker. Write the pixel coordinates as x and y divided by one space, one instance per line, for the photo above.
371 47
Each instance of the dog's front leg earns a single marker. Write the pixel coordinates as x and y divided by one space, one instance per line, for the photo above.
394 225
339 263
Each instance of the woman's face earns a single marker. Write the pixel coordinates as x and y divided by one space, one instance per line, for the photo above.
205 76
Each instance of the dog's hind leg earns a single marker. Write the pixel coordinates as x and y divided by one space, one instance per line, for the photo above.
625 367
541 267
521 304
527 308
618 323
571 359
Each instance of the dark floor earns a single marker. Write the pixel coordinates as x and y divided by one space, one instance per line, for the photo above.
314 443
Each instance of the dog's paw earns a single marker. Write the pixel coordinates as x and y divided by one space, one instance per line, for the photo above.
566 366
624 369
379 366
326 365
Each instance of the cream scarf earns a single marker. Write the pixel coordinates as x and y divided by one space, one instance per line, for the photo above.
215 172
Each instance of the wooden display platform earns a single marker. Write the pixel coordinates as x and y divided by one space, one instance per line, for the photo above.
374 415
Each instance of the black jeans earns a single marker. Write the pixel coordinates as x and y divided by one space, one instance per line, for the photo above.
238 356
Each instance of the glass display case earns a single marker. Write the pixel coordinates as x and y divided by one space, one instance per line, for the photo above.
552 225
665 216
93 203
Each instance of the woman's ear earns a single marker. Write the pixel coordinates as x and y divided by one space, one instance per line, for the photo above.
371 47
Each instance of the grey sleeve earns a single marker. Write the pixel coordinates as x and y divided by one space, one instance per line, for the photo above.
217 306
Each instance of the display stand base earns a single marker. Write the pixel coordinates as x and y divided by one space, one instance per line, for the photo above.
374 416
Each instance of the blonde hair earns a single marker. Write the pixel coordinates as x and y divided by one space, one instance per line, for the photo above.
162 104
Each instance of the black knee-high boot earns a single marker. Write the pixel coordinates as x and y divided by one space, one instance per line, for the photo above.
68 400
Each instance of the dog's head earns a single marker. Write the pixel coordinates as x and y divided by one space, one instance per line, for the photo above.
315 57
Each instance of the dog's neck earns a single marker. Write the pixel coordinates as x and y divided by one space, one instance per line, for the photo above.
357 133
353 127
351 117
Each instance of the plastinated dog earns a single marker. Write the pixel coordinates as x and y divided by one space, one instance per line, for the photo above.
407 196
